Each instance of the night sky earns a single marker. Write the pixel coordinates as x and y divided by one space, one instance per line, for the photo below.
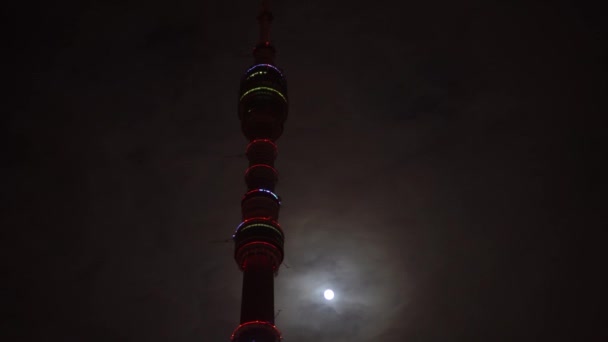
439 170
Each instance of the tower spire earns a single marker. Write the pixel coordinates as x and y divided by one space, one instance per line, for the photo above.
264 52
264 20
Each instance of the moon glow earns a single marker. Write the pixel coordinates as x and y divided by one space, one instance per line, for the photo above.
328 294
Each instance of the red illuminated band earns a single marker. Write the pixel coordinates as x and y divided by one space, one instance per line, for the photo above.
260 243
276 174
256 324
258 247
263 192
256 244
257 141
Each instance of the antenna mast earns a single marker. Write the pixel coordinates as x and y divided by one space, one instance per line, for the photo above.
264 52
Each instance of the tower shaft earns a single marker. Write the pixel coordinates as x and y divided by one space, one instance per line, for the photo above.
257 301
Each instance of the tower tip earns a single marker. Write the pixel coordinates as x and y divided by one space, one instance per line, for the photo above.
265 19
264 51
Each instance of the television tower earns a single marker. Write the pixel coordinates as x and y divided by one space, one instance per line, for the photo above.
258 240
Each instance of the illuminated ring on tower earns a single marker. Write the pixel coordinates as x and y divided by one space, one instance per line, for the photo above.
261 151
261 221
263 192
258 248
263 90
258 141
252 329
258 166
266 66
261 176
259 235
260 203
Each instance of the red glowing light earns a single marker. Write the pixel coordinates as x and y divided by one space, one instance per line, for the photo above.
264 166
257 141
260 243
277 255
252 324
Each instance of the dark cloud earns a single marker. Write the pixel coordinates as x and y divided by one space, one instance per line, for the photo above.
437 171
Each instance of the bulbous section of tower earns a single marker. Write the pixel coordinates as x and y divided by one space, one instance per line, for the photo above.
263 102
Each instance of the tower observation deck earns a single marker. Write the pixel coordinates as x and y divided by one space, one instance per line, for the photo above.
259 238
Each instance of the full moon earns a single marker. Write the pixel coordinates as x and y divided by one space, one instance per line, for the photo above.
328 294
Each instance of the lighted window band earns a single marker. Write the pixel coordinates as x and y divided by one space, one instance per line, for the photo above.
256 73
259 225
263 88
259 218
265 191
265 65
